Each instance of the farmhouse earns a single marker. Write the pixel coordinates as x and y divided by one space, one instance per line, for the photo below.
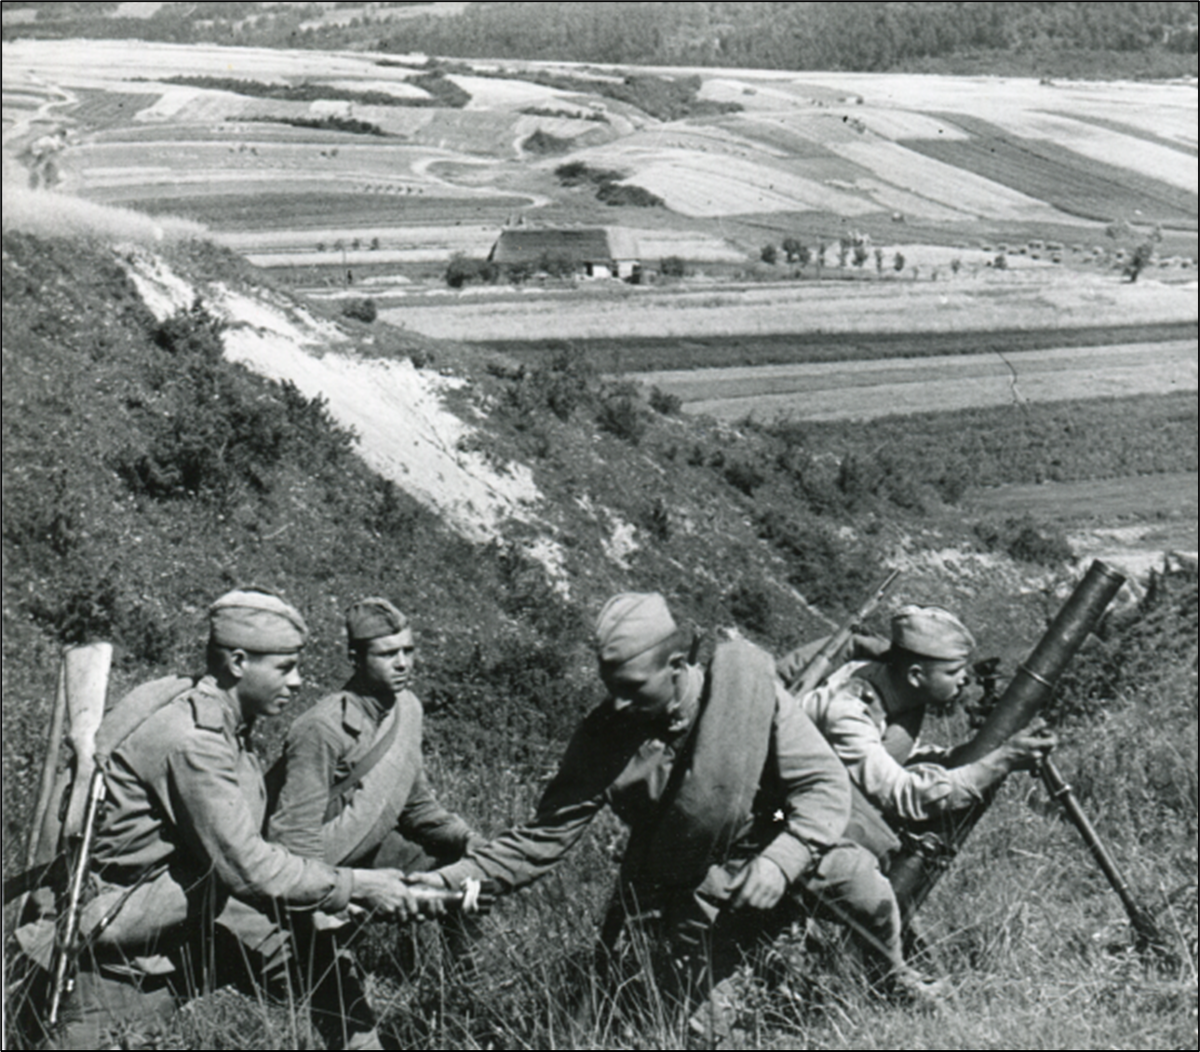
594 252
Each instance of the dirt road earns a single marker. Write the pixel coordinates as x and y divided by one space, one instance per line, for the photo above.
867 389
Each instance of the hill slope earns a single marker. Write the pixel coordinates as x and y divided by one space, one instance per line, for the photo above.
146 471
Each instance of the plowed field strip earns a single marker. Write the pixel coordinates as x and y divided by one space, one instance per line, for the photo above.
1105 499
1129 129
1050 172
862 390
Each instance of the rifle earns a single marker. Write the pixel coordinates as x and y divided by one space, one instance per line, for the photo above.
85 678
821 664
928 850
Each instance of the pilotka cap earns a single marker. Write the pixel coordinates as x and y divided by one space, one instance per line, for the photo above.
630 624
256 620
931 632
373 617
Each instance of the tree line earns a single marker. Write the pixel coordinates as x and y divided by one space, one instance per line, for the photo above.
869 36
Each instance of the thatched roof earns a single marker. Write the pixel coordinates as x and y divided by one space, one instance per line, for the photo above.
528 246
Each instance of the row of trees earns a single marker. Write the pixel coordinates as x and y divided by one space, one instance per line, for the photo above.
849 250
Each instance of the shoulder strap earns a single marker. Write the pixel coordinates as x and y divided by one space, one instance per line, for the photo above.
715 777
342 789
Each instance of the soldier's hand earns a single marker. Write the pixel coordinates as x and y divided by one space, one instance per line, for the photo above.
760 885
1026 751
386 893
866 646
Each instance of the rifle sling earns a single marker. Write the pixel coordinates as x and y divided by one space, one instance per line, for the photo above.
342 789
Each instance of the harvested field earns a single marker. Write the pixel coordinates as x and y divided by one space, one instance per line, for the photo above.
1074 188
944 183
304 214
1138 133
1034 299
1147 159
1075 183
863 390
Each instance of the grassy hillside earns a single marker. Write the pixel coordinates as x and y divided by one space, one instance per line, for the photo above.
144 474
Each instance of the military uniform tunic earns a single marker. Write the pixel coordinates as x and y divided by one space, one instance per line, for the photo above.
185 790
801 809
324 745
799 812
903 779
180 833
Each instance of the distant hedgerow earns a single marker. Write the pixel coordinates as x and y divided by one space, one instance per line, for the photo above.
1027 540
361 309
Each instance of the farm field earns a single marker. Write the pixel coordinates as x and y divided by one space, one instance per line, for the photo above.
977 300
1127 522
622 355
866 389
959 163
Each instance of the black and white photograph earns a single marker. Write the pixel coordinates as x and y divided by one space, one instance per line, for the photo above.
600 525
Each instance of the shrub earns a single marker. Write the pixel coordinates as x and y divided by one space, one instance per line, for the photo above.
575 173
192 333
463 271
561 385
627 194
1028 541
663 402
743 475
828 569
565 383
751 606
673 267
620 413
361 309
542 142
769 254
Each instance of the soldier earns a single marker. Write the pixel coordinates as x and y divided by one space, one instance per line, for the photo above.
871 713
735 802
181 834
350 787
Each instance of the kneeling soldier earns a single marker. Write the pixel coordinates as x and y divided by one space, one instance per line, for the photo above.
871 713
181 834
736 806
350 787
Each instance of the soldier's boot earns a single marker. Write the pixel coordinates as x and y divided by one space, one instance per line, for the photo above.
906 986
713 1023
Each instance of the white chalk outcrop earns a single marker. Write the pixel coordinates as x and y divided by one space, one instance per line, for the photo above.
404 431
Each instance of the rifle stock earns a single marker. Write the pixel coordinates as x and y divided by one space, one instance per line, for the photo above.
920 864
85 675
821 664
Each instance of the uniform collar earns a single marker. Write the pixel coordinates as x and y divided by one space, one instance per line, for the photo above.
231 712
375 709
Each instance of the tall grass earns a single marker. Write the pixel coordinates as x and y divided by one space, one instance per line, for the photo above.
48 214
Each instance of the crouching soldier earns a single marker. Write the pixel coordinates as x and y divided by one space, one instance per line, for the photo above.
736 807
871 714
350 787
181 834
